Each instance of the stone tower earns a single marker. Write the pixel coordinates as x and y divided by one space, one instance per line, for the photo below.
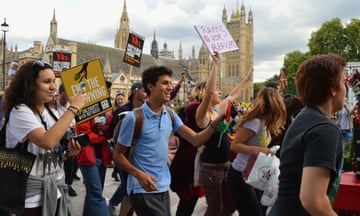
53 32
154 48
235 65
121 36
180 55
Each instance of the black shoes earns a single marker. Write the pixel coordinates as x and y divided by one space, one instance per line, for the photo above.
76 177
115 175
71 191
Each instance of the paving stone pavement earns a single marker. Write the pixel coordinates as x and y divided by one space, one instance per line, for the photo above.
110 187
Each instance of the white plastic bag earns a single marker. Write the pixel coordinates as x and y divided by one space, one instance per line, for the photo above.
258 172
272 186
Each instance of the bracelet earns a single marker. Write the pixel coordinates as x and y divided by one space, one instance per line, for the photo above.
75 108
71 109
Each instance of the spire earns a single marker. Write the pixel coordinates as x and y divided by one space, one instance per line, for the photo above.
224 15
107 68
193 52
242 11
124 10
53 27
121 36
180 52
154 48
250 16
124 16
202 50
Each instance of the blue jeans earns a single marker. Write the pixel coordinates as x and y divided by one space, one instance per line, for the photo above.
346 134
120 191
94 177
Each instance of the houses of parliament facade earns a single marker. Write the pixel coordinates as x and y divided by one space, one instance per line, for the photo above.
234 65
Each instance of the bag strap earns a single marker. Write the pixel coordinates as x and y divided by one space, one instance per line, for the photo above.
3 135
169 110
139 121
20 145
51 112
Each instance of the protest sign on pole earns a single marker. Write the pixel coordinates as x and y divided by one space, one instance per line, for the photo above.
88 77
61 61
133 49
216 37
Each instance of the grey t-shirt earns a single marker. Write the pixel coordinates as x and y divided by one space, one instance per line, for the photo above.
261 138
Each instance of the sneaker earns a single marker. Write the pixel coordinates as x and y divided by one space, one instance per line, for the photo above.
76 177
71 191
112 210
116 177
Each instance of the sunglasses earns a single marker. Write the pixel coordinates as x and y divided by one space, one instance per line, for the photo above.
39 65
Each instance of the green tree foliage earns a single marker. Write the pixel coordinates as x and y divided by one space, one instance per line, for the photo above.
258 86
352 32
333 37
292 61
330 38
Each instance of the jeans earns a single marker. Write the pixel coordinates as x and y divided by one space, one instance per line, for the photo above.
94 177
347 136
214 182
120 191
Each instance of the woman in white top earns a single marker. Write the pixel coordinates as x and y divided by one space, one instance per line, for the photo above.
28 119
266 116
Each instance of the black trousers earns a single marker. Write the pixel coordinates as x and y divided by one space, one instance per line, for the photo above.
69 169
151 204
246 198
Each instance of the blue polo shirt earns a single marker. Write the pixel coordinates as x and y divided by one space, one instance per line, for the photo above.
151 150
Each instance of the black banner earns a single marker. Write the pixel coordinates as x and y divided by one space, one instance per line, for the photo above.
61 61
93 110
133 50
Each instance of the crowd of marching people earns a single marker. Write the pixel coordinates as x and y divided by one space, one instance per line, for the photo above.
156 149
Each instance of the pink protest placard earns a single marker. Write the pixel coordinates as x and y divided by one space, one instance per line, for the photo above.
216 37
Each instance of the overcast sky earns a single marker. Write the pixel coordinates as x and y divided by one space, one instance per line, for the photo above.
280 26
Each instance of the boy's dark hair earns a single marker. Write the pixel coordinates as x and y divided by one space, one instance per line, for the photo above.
152 74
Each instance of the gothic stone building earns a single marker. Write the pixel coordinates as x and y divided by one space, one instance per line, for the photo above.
234 65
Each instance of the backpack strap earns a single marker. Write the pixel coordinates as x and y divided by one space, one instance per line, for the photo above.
169 110
139 122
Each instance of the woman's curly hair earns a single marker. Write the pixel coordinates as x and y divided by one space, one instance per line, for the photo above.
22 87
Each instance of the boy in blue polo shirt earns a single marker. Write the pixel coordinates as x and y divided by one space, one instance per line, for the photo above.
149 176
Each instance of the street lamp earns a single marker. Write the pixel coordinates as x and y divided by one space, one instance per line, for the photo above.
4 28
